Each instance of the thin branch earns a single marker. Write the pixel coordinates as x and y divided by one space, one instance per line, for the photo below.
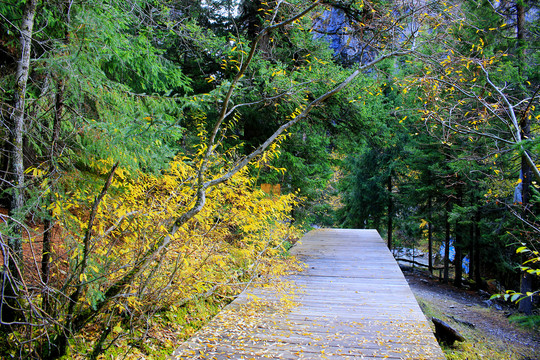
245 160
86 243
512 114
464 130
275 97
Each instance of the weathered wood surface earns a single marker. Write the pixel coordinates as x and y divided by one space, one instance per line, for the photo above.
352 301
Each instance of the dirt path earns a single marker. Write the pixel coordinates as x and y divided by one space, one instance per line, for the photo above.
489 332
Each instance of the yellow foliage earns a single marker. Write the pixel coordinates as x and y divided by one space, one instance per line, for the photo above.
238 236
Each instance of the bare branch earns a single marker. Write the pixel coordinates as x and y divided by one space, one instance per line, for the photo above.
513 117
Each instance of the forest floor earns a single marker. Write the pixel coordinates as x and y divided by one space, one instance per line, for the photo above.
486 324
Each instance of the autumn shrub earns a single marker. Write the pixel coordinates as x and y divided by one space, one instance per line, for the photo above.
237 238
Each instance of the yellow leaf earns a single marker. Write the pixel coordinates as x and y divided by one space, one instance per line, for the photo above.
118 329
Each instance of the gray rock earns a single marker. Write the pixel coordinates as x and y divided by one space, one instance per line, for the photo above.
445 333
483 293
492 304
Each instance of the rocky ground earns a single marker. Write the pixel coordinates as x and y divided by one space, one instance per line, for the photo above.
484 323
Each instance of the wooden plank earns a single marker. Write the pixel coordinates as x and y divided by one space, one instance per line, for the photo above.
350 302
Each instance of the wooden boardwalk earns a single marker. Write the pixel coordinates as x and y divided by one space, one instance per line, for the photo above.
352 301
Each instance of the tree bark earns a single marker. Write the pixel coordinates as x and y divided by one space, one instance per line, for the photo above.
17 120
390 212
446 244
458 259
477 249
525 305
430 236
472 258
458 243
53 152
16 127
520 10
48 223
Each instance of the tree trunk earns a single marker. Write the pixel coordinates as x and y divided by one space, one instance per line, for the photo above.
48 223
16 125
390 212
458 259
520 10
525 305
472 259
477 249
430 236
17 129
458 243
446 244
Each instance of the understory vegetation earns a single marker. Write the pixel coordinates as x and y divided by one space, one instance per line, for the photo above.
492 338
158 156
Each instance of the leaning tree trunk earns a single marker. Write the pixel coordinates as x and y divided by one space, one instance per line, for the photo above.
16 124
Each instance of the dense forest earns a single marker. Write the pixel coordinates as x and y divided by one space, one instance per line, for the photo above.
137 138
